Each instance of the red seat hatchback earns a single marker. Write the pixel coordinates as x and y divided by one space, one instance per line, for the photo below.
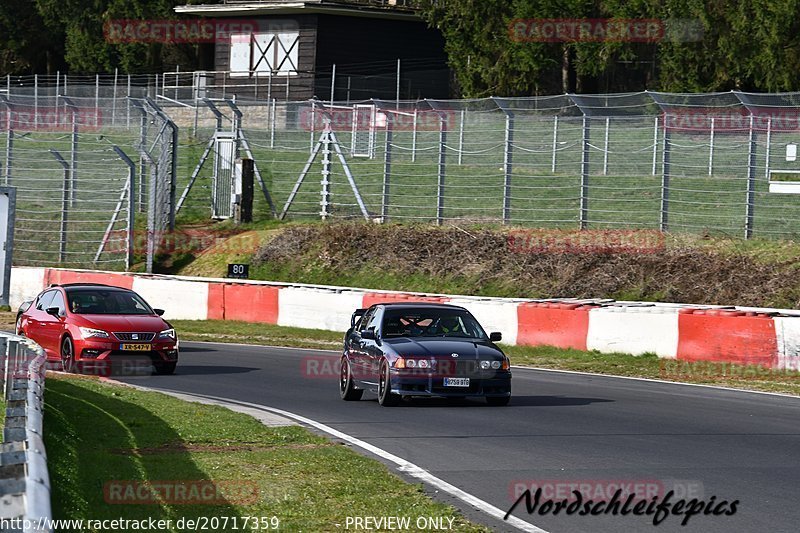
86 325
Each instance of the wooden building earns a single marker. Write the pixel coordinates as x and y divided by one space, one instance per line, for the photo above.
288 49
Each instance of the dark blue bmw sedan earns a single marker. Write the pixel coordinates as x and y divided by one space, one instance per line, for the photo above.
422 349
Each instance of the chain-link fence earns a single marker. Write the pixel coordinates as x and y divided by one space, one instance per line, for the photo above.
699 163
95 173
85 169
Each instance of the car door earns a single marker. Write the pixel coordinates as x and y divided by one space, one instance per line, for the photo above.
53 326
373 353
356 347
37 319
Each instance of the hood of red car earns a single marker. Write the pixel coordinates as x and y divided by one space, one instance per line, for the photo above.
119 323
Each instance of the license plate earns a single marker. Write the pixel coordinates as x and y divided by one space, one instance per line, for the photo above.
136 347
456 382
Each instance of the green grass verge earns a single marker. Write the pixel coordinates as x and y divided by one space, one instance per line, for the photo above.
747 377
98 432
250 333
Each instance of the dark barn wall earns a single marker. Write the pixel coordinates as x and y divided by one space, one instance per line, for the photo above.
367 49
300 86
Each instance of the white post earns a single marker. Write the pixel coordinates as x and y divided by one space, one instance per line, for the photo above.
35 100
96 91
711 149
414 137
769 141
461 138
272 125
655 144
397 96
58 82
555 143
128 105
605 149
333 82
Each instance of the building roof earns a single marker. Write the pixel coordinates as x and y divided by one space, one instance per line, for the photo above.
385 9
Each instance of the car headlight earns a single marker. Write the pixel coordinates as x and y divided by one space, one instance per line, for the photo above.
89 333
167 334
496 365
485 365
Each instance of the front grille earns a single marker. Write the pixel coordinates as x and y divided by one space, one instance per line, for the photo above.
132 336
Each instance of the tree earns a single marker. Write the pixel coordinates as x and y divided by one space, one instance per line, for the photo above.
88 50
27 44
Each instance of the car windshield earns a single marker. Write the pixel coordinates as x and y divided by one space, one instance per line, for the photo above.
107 302
430 323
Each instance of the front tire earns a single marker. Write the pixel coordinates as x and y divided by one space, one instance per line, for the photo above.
347 389
18 327
67 355
385 395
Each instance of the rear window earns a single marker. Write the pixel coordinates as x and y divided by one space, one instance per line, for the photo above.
107 302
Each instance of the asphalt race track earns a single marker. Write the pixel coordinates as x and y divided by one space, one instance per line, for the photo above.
559 427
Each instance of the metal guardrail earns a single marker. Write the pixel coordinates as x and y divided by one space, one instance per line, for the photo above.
24 478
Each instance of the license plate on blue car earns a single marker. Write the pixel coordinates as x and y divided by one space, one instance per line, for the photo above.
456 382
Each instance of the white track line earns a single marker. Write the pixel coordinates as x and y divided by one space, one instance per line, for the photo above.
402 465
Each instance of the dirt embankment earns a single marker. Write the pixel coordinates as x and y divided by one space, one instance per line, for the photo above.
498 262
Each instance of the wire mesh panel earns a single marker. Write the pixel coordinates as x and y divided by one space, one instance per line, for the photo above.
72 187
676 162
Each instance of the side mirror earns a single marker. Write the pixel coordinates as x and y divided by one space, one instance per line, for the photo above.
495 336
54 311
356 316
159 312
369 334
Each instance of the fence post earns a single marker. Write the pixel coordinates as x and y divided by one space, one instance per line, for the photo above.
272 124
584 214
751 183
507 166
325 184
311 140
114 99
387 170
128 105
555 143
333 82
35 100
58 82
9 143
460 135
655 144
442 169
65 203
96 91
414 136
605 148
397 95
73 152
711 149
665 170
767 147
